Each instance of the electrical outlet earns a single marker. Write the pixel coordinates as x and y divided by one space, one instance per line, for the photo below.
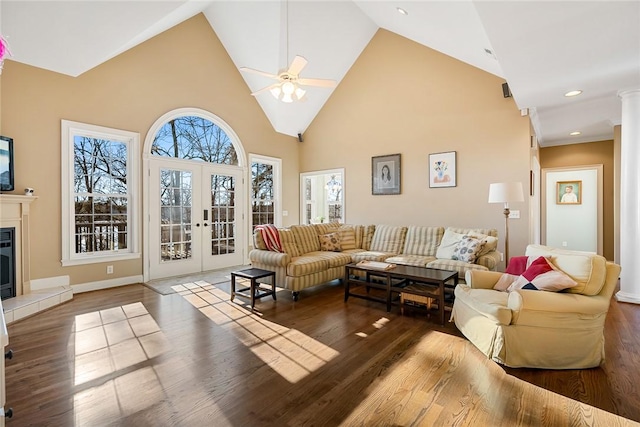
565 244
285 213
514 214
501 256
109 269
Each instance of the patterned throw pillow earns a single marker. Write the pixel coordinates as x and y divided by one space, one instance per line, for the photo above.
542 276
467 249
330 242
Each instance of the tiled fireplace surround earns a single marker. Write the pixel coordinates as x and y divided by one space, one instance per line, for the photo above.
14 212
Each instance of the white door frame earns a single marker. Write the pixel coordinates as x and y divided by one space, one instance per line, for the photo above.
599 178
146 171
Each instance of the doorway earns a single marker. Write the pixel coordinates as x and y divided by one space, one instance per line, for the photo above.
195 197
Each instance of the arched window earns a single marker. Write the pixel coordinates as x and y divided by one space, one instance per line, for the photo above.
194 138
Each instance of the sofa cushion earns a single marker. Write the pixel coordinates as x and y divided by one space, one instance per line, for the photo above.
448 244
422 240
371 256
541 276
489 243
288 241
306 238
415 260
587 269
330 242
307 264
326 227
452 265
270 237
347 237
334 259
505 281
467 249
388 238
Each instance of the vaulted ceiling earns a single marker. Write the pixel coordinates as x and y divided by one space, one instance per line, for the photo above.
543 49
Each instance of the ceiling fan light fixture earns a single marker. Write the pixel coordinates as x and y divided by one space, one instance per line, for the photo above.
288 88
300 93
401 11
286 97
276 91
576 133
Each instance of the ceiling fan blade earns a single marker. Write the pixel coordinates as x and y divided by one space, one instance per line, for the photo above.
264 89
318 82
262 73
297 65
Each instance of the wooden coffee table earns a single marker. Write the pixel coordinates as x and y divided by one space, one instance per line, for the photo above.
403 279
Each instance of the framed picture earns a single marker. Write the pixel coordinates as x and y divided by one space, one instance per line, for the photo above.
385 174
442 169
569 192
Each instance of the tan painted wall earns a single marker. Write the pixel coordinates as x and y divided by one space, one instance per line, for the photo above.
591 153
401 97
186 66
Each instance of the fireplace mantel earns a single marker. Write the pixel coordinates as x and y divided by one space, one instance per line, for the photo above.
14 212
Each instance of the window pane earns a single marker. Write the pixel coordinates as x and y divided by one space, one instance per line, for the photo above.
194 138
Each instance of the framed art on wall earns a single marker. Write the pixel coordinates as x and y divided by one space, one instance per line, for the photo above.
442 169
569 192
385 174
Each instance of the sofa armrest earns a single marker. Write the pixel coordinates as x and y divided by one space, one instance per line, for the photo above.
556 309
481 279
275 259
489 260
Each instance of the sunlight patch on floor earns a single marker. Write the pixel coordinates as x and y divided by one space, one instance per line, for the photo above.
289 352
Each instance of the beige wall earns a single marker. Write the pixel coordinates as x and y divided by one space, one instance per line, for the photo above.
591 153
401 97
186 66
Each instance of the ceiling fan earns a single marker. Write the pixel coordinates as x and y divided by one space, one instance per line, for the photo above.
289 81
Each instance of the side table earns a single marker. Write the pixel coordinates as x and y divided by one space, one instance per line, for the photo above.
255 291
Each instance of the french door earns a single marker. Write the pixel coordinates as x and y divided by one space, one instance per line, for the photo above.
196 217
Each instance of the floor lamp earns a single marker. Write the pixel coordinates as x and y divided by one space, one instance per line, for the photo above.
505 192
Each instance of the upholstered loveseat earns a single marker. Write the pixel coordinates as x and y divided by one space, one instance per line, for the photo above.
538 328
302 263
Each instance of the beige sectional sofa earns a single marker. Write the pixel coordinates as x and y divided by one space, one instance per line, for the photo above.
540 329
303 263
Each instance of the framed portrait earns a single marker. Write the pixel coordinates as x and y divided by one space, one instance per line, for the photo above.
442 169
385 174
569 192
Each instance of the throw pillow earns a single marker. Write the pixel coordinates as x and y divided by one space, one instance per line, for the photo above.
448 244
467 249
517 265
347 237
489 243
505 281
542 276
330 242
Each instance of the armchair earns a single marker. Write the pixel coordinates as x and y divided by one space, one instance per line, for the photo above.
540 329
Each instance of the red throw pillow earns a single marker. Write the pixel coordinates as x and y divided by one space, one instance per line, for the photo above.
517 265
537 267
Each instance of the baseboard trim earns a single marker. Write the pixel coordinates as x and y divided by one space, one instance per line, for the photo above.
49 282
627 297
106 284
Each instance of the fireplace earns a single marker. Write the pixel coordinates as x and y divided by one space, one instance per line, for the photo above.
7 262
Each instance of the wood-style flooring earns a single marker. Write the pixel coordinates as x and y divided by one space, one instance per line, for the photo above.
132 357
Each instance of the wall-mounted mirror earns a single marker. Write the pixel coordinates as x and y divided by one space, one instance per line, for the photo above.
322 196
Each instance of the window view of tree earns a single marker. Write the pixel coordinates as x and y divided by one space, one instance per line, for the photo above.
262 194
194 138
175 214
100 195
223 201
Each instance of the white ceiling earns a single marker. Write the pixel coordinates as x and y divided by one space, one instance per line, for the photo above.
541 48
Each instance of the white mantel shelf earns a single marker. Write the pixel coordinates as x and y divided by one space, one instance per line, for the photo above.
16 198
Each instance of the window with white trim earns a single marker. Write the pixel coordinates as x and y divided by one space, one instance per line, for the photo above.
99 194
265 190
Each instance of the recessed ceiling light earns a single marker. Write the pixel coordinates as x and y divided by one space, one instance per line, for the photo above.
401 11
575 133
573 93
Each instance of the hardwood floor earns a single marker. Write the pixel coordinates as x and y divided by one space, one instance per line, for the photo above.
130 356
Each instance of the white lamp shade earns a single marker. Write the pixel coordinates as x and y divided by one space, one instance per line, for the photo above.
505 192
